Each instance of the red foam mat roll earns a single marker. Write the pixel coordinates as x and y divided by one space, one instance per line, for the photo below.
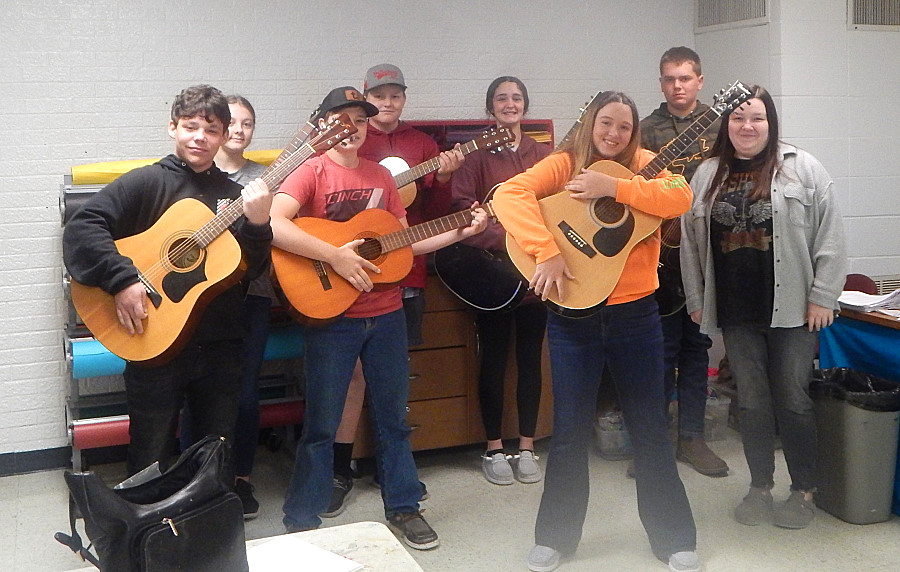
109 431
100 432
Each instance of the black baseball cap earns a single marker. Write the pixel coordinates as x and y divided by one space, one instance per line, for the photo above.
346 96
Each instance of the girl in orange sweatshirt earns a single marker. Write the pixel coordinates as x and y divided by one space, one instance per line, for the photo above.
623 334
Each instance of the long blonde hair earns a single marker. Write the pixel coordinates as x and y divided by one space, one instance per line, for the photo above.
580 146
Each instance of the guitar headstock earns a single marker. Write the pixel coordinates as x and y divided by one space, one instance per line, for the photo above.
731 98
582 110
336 130
495 140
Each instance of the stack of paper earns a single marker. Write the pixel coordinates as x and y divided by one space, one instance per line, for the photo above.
289 553
853 300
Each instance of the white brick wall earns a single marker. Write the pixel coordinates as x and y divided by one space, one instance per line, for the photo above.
93 80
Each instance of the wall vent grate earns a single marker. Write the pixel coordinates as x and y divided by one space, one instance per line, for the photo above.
873 14
887 284
722 14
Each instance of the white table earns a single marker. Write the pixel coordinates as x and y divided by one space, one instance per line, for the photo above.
371 544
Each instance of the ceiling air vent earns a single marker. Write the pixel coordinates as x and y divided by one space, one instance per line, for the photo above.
881 15
723 14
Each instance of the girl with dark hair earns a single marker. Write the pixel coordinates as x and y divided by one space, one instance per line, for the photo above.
507 102
763 260
624 335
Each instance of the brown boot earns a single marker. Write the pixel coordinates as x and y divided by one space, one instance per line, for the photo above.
697 454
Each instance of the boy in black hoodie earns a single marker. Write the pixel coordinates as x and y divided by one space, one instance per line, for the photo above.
207 371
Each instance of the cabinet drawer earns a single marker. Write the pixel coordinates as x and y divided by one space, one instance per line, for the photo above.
436 423
438 373
447 329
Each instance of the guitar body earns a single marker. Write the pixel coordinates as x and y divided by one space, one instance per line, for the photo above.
396 165
670 295
313 288
594 238
484 279
186 283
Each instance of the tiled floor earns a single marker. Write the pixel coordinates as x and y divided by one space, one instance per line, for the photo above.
488 528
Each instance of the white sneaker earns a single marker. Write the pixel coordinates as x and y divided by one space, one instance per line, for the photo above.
526 468
497 470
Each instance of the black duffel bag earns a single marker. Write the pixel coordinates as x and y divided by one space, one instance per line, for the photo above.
188 518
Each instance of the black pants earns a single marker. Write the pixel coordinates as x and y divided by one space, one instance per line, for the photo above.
208 377
494 330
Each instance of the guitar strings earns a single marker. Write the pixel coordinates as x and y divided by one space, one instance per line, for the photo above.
273 175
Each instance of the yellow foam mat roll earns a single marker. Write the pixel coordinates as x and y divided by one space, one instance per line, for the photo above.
106 172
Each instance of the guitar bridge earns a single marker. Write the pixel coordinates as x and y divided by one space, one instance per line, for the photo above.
576 239
155 297
322 274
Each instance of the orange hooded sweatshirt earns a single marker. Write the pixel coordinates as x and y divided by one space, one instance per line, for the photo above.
516 205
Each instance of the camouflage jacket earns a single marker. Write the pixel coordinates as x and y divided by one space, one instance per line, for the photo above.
660 127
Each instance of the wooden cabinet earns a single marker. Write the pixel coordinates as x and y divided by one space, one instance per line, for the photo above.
443 402
449 133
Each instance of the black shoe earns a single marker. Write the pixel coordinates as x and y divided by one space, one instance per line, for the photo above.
424 496
340 491
244 491
415 530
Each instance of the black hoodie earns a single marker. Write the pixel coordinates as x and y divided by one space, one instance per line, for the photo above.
133 203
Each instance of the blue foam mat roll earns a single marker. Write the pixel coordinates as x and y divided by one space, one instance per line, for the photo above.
91 359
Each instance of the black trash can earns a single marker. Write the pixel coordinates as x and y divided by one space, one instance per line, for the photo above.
857 417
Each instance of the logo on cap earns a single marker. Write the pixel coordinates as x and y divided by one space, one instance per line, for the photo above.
381 74
353 95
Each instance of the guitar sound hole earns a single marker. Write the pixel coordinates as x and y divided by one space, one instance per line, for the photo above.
370 249
184 255
608 212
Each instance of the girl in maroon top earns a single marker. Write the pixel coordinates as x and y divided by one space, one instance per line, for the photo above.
507 103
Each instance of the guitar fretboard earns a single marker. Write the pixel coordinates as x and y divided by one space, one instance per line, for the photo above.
433 164
677 146
420 232
298 150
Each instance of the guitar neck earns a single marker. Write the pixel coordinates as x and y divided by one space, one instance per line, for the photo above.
676 147
431 165
577 124
295 153
295 144
425 230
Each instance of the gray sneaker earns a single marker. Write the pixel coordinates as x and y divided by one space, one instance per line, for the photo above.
686 561
795 512
497 469
756 508
525 467
543 559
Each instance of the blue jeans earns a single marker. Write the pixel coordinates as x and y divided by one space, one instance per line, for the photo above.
331 354
207 377
687 351
773 368
626 338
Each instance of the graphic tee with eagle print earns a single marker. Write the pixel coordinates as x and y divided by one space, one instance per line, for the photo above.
741 241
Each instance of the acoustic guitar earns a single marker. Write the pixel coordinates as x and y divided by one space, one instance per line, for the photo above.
316 291
405 178
184 260
486 279
596 236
